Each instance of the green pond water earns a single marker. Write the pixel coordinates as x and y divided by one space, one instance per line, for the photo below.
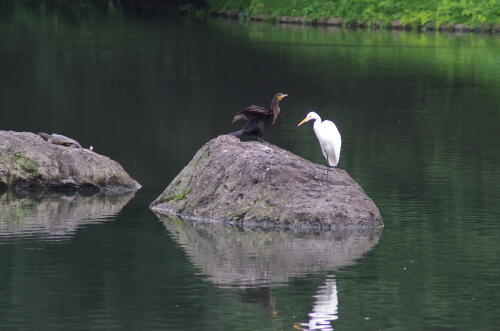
419 116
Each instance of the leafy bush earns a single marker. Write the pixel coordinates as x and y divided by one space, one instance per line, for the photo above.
471 12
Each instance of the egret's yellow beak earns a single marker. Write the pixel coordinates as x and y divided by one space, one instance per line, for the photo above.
303 121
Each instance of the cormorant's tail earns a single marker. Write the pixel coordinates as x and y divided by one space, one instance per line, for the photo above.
238 117
238 133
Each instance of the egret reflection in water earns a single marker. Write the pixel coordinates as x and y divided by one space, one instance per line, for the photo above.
54 216
325 308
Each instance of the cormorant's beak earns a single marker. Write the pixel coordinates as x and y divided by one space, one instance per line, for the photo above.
283 96
303 121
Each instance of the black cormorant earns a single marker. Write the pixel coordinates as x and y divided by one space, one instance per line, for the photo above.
258 118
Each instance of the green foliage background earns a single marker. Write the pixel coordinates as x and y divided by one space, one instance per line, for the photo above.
438 12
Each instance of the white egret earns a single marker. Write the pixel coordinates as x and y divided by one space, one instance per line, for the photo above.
329 138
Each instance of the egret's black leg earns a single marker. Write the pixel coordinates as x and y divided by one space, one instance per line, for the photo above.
327 167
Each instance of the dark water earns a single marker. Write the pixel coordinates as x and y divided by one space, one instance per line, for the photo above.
420 119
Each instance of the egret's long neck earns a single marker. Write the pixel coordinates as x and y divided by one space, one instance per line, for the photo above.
317 125
317 121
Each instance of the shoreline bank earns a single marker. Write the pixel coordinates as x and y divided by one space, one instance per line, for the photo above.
341 23
471 17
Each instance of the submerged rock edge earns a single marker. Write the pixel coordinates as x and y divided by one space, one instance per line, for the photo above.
163 212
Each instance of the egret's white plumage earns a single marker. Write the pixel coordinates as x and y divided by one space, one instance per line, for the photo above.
328 136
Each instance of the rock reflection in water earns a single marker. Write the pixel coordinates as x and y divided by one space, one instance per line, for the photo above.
54 216
235 257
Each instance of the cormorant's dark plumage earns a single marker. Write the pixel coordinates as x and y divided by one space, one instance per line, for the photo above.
258 118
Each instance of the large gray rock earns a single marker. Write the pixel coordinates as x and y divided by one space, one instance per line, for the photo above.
255 183
27 161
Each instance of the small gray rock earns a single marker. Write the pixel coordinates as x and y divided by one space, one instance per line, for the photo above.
259 17
337 21
290 19
28 161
